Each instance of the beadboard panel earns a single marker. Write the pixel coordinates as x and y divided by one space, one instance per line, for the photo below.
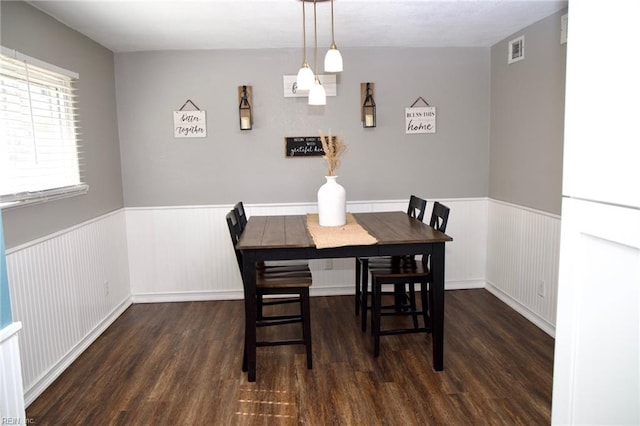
11 389
523 254
184 253
66 289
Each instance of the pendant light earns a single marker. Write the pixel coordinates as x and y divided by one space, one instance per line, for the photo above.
317 94
333 58
305 78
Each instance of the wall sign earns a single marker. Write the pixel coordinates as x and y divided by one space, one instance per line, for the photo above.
420 119
291 89
189 124
303 146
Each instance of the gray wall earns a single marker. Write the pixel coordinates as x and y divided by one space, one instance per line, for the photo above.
228 165
471 87
33 33
527 119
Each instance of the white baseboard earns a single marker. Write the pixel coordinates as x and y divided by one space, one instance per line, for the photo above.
186 296
522 310
52 373
464 285
335 290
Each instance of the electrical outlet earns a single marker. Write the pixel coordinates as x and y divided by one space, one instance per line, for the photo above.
541 288
106 288
328 264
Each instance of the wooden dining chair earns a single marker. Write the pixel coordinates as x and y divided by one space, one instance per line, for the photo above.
293 284
399 272
402 299
272 266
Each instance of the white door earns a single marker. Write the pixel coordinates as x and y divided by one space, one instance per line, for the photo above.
597 355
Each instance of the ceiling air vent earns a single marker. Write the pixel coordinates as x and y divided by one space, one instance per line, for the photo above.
516 50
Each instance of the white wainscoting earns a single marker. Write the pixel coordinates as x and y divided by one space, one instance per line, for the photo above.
11 389
523 253
184 253
66 289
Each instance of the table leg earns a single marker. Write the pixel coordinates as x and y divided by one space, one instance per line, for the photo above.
250 310
436 305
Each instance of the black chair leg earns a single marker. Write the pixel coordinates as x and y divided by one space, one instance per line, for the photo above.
305 309
364 294
375 319
412 304
259 314
357 286
399 294
424 293
245 363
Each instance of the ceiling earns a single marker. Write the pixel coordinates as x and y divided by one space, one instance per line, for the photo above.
141 25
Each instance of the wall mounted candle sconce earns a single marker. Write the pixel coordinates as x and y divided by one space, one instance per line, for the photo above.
244 110
368 115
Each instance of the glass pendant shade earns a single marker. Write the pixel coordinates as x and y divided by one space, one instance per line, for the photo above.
317 94
305 78
333 60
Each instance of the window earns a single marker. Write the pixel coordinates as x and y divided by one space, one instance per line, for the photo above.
39 146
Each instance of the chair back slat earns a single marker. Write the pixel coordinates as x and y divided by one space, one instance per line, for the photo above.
439 217
234 232
241 215
439 220
416 208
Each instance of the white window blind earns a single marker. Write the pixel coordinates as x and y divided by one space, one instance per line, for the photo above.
39 144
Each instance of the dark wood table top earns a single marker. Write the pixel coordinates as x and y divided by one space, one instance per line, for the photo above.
389 228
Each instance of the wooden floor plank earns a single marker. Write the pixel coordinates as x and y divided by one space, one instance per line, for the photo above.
180 363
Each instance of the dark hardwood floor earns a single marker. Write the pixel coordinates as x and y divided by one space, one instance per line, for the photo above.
179 363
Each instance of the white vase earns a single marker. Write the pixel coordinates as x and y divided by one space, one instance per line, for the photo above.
332 203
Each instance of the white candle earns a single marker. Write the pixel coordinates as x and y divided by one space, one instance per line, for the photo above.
245 123
368 120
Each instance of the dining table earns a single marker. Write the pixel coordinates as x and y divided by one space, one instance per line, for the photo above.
288 237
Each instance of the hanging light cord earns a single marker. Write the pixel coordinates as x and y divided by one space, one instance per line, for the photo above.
333 40
315 30
304 35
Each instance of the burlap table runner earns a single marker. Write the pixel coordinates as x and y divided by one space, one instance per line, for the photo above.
351 234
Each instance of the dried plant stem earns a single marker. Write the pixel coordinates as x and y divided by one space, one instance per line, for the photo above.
333 147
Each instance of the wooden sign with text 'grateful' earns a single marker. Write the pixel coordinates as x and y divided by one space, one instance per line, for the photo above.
303 146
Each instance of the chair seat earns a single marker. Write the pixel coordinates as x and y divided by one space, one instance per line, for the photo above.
283 279
401 272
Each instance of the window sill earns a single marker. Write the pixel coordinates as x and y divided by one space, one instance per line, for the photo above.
45 196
